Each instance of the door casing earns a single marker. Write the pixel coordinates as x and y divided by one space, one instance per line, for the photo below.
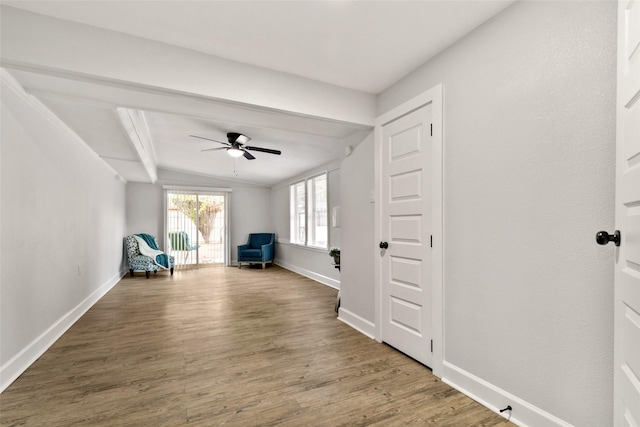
626 354
433 96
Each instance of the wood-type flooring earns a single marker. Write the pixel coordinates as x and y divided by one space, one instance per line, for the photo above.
220 346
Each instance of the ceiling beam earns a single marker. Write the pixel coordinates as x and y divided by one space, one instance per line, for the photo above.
49 45
136 129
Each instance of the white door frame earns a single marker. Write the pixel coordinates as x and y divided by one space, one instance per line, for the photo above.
434 97
626 352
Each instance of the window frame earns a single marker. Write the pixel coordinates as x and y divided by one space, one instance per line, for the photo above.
308 185
294 214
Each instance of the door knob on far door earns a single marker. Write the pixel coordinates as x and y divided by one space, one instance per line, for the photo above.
384 245
602 237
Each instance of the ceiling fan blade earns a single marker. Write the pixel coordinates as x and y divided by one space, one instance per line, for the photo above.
209 139
264 150
214 149
247 155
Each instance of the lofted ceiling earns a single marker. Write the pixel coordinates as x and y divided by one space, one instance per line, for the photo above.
363 46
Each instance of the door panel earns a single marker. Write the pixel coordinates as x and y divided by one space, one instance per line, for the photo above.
405 229
627 271
406 272
406 226
407 315
405 143
406 186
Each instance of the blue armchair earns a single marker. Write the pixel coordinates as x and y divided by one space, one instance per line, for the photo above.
260 249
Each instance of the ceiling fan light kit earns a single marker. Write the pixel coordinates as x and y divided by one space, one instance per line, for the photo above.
235 152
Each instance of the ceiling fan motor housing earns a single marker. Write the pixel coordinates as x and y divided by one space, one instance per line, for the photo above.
234 137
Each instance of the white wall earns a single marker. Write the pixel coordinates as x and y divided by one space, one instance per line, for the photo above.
309 262
62 222
249 213
358 239
529 133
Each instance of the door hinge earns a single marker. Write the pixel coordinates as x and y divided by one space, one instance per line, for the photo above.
431 129
431 346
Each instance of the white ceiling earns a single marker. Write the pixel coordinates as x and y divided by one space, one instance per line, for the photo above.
361 45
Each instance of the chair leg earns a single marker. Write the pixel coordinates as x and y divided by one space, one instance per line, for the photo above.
146 273
264 265
172 271
131 272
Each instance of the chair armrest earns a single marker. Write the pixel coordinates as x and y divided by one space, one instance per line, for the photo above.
243 247
267 252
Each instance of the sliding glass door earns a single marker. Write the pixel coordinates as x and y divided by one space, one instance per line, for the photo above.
196 227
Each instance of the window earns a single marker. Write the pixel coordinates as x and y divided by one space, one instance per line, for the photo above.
309 212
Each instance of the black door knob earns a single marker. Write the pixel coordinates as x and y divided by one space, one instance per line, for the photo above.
384 245
602 237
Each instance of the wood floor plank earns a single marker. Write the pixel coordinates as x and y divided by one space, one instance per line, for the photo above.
226 346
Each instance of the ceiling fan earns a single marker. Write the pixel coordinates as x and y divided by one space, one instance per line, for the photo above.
236 146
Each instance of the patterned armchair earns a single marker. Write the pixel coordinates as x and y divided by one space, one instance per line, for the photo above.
260 249
138 262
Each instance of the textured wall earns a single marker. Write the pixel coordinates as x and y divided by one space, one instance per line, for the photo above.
529 142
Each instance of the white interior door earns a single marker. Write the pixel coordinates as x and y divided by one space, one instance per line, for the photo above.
627 271
406 199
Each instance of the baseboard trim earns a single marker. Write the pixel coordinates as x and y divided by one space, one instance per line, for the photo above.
356 322
19 363
308 273
523 414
